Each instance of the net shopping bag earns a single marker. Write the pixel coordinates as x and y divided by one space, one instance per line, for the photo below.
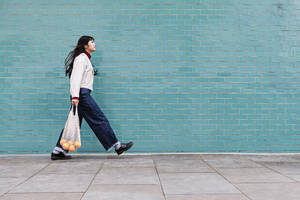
70 139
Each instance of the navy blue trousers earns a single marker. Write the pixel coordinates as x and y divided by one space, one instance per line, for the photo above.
90 111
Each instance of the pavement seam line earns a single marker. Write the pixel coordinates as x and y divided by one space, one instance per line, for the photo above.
227 179
26 179
161 187
276 171
92 180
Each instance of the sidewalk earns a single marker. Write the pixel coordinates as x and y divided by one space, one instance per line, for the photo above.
151 177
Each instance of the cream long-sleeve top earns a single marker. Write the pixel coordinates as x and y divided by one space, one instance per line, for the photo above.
82 74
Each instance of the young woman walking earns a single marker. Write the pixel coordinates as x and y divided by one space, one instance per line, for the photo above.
81 74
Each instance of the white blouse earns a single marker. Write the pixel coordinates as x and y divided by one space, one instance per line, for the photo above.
82 75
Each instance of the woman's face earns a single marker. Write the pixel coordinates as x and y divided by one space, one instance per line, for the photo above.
91 46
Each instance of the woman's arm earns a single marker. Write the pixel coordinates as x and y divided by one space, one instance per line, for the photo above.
76 76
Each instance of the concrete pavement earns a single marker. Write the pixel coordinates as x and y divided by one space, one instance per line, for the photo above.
151 177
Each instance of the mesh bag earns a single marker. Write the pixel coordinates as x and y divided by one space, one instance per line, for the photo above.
70 139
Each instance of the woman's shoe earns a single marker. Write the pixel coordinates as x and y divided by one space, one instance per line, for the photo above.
60 156
124 147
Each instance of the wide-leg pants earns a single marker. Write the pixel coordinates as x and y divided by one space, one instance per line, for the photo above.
90 111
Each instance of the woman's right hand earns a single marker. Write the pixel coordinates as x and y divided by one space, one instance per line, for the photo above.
75 102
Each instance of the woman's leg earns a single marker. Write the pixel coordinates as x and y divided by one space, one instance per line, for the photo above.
97 121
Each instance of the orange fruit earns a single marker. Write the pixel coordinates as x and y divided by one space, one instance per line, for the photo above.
66 146
72 148
77 144
62 141
70 142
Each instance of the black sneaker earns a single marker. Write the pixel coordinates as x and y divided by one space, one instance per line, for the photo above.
60 156
124 147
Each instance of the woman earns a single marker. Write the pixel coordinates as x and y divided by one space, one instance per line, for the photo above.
81 74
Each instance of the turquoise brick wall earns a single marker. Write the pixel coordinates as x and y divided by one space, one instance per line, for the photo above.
175 75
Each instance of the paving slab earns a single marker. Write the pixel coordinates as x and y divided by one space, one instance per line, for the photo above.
195 183
177 156
129 162
55 183
85 157
23 170
284 167
42 196
271 191
126 192
295 177
151 176
182 165
229 162
272 158
208 197
296 156
24 159
73 168
7 184
128 175
252 175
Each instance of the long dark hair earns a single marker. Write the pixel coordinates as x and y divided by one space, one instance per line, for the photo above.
79 48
